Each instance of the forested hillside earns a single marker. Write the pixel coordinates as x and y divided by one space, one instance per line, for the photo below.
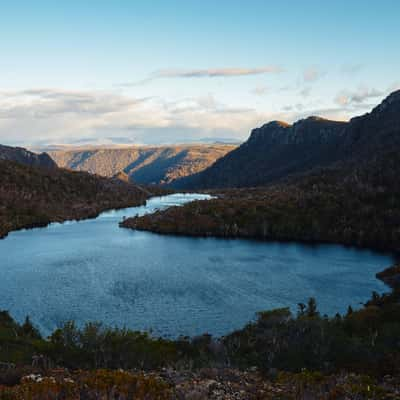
33 196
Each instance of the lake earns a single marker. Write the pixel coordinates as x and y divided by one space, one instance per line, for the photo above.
93 270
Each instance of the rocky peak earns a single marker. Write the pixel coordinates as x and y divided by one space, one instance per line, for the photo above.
316 130
392 102
379 129
311 130
273 132
23 156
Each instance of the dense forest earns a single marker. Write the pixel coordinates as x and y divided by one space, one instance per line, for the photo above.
352 204
36 196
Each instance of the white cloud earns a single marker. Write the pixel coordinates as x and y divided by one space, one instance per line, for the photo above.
216 72
312 74
260 90
39 116
58 116
205 73
358 96
394 87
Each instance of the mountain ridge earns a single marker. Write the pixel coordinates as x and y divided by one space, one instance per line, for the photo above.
26 157
143 164
277 149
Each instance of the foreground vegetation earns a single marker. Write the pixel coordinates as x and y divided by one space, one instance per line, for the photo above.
34 196
214 384
359 350
353 204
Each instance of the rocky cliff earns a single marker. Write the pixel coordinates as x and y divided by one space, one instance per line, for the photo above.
277 149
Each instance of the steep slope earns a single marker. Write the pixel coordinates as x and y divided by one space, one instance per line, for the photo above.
376 131
26 157
277 149
147 165
32 196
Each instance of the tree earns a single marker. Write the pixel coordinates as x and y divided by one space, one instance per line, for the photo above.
27 329
349 310
312 308
301 309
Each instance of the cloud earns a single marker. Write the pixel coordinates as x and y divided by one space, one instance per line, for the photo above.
53 116
394 87
305 92
312 74
260 90
45 103
357 97
205 73
216 72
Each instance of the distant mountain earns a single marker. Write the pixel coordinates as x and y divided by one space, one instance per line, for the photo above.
277 149
142 164
26 157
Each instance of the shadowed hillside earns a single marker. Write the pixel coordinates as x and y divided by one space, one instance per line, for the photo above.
147 165
26 157
353 201
277 149
31 196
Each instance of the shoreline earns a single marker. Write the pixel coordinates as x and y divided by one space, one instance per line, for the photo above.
60 220
209 235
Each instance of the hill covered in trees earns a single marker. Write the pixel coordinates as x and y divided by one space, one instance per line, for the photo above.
26 157
143 164
353 204
35 196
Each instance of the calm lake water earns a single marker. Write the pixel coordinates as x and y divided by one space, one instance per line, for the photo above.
95 271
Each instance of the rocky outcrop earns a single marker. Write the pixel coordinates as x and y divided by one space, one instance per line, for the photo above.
273 151
376 131
312 130
277 149
23 156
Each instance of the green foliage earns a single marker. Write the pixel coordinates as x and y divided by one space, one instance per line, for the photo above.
363 341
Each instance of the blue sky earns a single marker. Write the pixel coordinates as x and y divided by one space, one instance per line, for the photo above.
180 70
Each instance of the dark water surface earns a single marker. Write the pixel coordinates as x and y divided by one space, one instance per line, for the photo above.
95 271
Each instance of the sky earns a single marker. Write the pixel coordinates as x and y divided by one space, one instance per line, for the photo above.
174 71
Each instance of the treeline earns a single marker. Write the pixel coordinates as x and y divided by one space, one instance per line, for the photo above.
352 204
363 341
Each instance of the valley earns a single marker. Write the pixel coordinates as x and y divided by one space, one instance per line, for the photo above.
199 200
